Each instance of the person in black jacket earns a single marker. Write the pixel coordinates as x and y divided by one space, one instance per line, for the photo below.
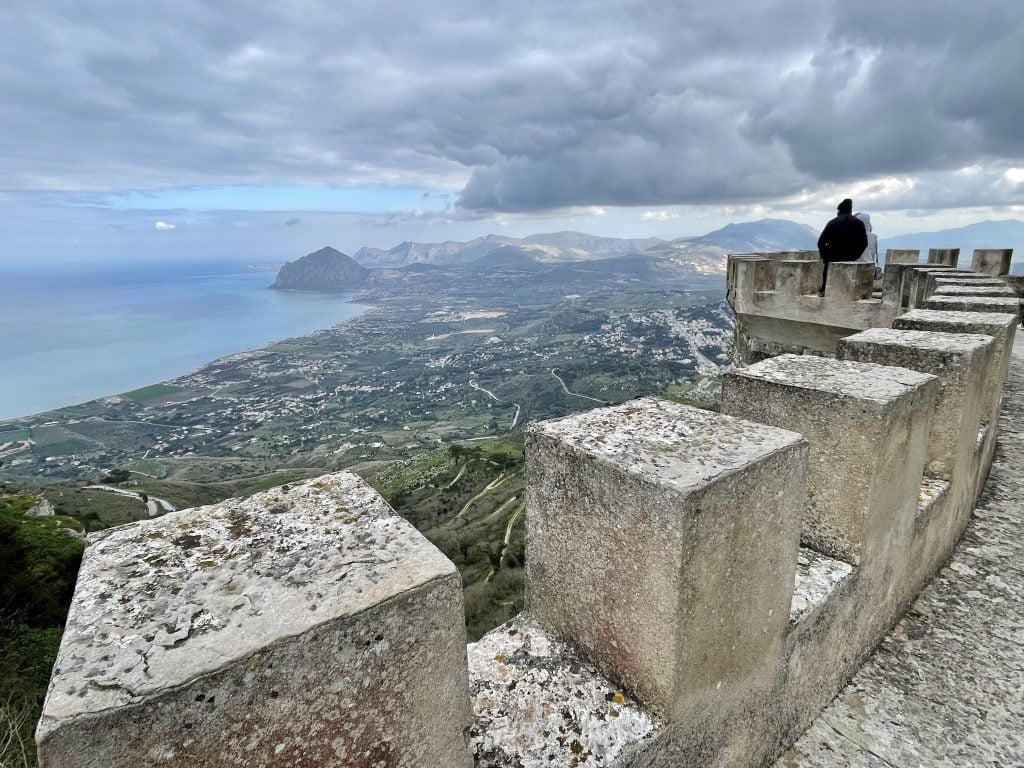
843 239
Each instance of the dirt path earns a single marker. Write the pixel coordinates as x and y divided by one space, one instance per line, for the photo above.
153 504
573 394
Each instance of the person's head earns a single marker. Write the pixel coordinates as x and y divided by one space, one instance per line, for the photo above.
846 206
866 218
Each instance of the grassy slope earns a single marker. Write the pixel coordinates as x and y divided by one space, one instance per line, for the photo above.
38 565
467 499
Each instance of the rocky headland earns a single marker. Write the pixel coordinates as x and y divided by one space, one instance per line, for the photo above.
325 270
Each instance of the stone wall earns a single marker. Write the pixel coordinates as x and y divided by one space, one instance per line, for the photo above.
778 309
700 585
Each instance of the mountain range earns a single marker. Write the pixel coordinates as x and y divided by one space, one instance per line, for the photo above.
1007 233
705 251
577 256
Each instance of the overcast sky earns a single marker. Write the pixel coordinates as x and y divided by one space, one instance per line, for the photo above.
232 127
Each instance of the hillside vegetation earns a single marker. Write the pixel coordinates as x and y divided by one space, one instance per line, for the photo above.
468 500
39 559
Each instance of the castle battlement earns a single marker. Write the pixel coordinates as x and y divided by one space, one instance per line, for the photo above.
774 295
699 585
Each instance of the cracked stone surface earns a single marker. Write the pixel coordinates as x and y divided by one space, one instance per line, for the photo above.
164 601
865 381
669 443
536 703
946 686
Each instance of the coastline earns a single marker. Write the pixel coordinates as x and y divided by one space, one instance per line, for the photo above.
349 299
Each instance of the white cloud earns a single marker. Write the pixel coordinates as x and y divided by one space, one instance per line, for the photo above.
658 216
163 226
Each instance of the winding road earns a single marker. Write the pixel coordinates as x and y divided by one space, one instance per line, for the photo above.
585 397
152 503
515 416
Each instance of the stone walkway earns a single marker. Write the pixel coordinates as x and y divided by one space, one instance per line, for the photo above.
946 687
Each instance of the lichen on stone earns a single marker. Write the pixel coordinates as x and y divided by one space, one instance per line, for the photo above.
537 703
817 575
165 600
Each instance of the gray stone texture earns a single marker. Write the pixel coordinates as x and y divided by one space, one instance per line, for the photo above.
966 278
661 541
1010 305
1001 327
992 261
778 310
536 704
959 361
849 281
944 256
302 627
902 256
817 576
918 281
867 426
944 687
972 289
797 278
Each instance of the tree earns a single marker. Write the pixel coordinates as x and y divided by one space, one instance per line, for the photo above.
116 476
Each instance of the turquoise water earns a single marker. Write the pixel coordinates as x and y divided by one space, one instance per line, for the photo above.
74 333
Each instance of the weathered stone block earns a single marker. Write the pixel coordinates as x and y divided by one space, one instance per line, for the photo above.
918 280
752 275
944 256
302 627
959 361
867 425
849 281
992 261
1007 304
537 703
797 278
1001 327
902 256
965 278
972 289
662 541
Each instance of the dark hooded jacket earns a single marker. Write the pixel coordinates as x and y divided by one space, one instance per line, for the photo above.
843 239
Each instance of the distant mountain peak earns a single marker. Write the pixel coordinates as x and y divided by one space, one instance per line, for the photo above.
761 235
327 269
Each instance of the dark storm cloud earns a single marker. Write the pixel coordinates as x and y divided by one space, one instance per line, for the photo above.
528 107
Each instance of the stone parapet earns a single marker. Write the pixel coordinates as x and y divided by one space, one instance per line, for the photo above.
867 426
944 256
902 256
778 309
304 626
992 261
970 288
538 703
663 545
699 585
959 362
1002 328
1008 304
918 281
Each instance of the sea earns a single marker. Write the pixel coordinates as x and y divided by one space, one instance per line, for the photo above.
73 333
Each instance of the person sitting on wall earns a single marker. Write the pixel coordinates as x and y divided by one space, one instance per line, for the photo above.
843 239
870 255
